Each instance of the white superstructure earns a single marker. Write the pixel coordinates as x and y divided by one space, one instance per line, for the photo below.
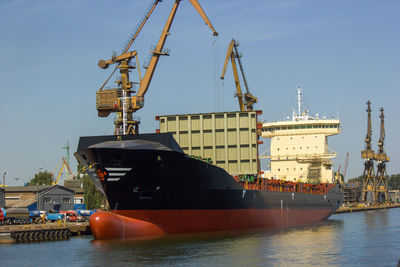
299 147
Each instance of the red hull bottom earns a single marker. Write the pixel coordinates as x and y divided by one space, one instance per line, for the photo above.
143 223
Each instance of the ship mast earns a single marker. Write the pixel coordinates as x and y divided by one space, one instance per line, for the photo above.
299 101
301 114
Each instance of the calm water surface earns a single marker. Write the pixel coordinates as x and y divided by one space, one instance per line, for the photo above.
369 238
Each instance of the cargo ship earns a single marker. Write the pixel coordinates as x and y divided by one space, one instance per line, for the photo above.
197 173
154 186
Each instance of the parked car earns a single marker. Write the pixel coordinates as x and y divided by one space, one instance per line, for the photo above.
72 216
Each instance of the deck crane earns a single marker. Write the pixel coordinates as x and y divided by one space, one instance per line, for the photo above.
341 178
338 176
346 164
122 99
246 100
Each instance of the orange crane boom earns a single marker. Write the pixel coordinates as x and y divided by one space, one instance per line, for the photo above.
145 83
197 6
125 51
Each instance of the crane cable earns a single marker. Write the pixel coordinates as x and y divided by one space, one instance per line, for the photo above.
215 44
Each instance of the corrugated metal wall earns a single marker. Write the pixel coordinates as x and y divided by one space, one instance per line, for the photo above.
2 198
228 138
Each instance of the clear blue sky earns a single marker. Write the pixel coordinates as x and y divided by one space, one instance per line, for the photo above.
342 53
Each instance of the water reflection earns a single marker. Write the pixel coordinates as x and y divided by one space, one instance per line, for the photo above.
312 245
298 245
376 218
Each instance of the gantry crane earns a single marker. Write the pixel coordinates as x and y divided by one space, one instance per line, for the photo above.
368 156
121 99
381 185
246 100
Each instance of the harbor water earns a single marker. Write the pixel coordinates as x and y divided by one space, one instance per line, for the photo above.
370 238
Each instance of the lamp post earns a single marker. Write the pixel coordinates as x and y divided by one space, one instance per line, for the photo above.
37 189
4 178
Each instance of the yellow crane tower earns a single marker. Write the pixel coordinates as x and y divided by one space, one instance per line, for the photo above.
123 99
246 100
381 185
368 155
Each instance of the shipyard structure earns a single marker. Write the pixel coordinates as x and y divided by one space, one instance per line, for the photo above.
299 150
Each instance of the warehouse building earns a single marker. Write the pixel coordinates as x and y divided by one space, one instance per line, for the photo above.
46 198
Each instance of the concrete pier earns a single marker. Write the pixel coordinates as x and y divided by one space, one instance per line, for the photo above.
42 232
365 208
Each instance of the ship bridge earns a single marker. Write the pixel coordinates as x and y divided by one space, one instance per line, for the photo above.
326 127
299 147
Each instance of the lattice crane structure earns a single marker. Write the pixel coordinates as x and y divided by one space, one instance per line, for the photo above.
246 100
124 100
368 156
381 183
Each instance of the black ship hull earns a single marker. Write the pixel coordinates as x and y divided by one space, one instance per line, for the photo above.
151 181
